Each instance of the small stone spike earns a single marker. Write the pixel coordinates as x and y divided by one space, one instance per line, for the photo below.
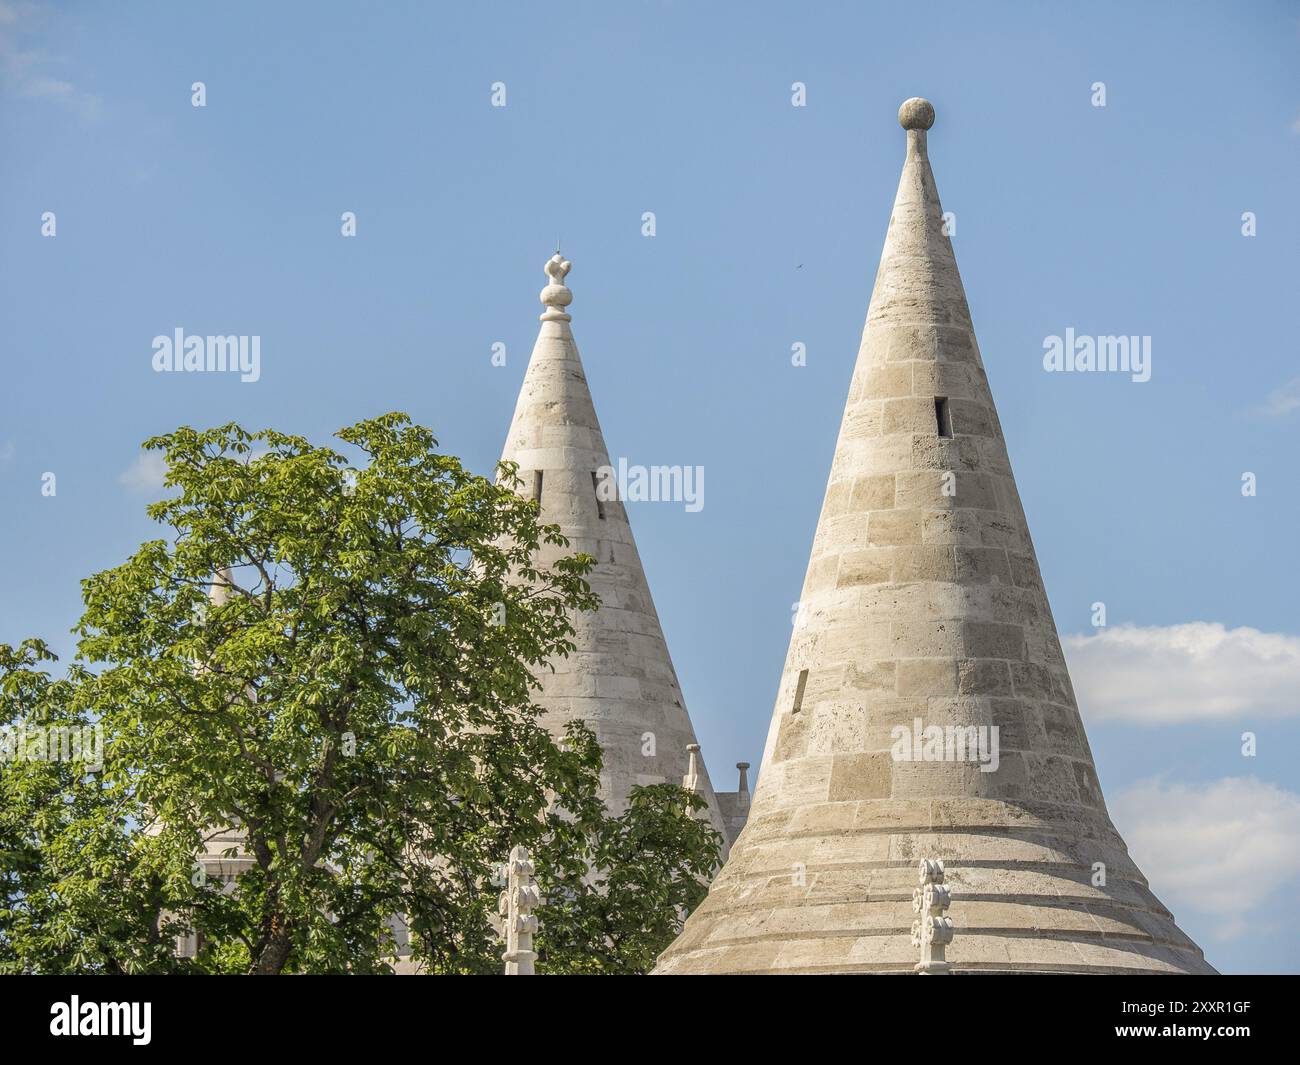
691 781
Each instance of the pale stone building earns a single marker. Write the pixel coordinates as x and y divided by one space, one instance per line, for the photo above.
923 606
620 679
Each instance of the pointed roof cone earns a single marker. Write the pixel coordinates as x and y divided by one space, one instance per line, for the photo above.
219 593
926 608
222 589
212 856
620 679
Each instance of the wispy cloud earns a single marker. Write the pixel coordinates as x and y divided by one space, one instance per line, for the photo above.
1224 849
30 73
7 453
1200 671
1282 401
146 474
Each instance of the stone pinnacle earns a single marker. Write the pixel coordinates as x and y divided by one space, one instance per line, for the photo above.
619 676
923 613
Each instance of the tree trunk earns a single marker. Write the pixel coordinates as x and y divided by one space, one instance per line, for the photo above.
272 948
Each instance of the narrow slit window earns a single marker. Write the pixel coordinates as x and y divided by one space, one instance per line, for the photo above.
942 416
798 691
600 503
537 485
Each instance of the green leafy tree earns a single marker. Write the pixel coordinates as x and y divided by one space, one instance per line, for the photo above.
80 889
338 659
648 869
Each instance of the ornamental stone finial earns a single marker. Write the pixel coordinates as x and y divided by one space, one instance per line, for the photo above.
518 901
931 931
556 295
916 113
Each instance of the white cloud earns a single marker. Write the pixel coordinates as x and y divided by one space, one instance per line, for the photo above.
7 452
23 71
1172 674
1224 849
43 86
145 475
1281 401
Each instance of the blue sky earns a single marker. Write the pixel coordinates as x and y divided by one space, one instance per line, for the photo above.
1117 220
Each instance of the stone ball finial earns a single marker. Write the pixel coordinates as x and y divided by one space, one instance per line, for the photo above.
916 113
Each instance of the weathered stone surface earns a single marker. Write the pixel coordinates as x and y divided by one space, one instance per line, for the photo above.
936 596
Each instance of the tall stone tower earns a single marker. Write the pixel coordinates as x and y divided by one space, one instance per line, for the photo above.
923 615
620 679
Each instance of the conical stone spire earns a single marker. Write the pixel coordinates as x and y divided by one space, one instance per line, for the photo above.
620 679
923 606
